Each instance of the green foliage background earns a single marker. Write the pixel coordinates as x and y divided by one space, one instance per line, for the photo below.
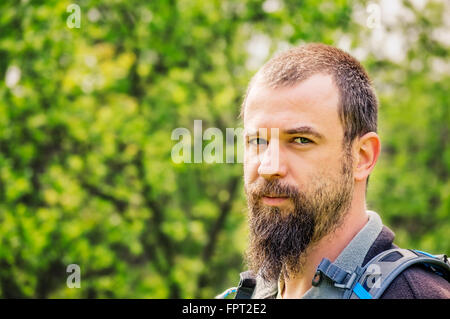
86 175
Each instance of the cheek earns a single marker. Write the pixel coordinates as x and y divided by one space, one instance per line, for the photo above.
300 168
250 169
309 175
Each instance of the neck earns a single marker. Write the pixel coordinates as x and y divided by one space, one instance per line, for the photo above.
328 247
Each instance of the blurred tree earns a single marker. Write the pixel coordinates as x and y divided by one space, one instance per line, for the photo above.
86 116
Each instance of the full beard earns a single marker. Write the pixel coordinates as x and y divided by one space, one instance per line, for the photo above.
279 238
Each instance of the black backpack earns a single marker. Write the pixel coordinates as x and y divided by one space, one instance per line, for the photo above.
368 282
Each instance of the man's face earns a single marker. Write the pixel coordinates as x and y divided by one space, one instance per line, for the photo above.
298 175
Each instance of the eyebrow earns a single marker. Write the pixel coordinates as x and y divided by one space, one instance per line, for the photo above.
307 130
303 130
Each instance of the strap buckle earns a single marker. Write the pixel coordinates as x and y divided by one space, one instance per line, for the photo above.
340 277
349 283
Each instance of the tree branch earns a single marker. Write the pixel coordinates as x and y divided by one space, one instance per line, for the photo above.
208 252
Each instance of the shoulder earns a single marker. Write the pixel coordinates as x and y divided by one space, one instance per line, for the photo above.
417 282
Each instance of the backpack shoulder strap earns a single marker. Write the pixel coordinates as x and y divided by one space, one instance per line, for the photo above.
244 290
379 273
246 285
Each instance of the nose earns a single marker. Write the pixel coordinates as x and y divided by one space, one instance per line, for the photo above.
271 163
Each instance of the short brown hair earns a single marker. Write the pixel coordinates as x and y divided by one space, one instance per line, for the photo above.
358 105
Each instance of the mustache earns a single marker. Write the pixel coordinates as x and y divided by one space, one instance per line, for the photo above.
271 188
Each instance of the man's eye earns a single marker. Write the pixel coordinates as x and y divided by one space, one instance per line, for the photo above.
302 140
257 141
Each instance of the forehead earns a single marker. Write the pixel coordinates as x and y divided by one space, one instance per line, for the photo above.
312 102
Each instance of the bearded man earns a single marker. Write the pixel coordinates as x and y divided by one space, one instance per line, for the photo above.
310 131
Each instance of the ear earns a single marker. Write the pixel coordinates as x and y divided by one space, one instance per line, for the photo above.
367 149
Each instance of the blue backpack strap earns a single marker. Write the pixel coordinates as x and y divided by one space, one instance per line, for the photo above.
379 273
